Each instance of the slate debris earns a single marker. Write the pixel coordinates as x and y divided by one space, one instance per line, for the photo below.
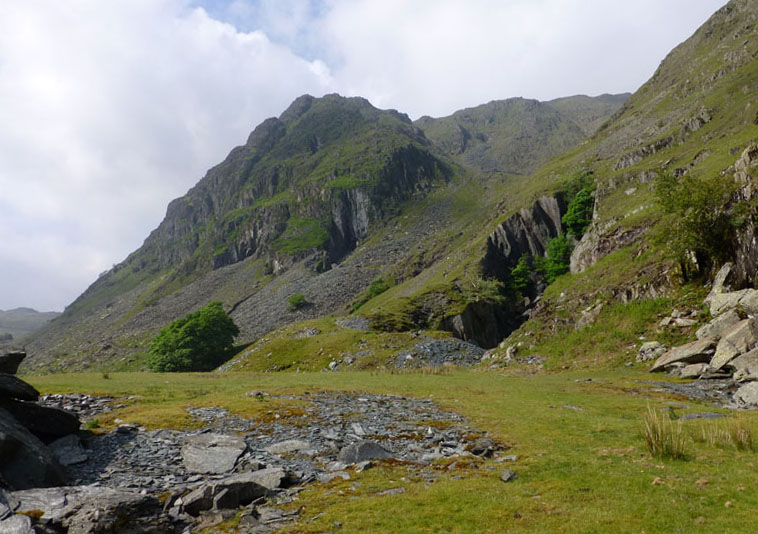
339 435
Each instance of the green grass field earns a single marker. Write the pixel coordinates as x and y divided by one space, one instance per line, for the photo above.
582 462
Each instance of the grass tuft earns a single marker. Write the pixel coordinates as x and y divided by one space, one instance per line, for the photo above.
663 438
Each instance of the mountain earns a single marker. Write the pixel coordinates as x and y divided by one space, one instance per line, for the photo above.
517 135
319 201
20 322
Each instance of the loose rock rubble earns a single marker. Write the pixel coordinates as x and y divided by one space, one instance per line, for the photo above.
724 358
238 466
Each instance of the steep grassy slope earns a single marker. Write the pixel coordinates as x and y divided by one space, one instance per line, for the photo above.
319 202
695 118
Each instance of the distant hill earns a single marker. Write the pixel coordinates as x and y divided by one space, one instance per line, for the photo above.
518 135
21 322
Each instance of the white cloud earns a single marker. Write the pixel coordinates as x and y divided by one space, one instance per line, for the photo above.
112 108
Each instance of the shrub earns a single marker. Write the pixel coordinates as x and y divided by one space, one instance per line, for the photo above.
200 341
580 194
663 438
295 302
376 288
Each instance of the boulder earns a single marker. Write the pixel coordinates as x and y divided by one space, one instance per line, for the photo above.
12 387
725 301
723 281
7 505
95 510
740 339
650 350
362 451
16 524
746 396
68 450
10 361
745 366
694 370
47 423
720 324
212 453
235 491
699 351
25 462
749 303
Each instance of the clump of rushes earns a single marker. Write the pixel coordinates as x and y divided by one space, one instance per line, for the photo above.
663 438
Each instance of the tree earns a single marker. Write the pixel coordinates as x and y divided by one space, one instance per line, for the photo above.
199 341
700 228
580 193
558 258
521 274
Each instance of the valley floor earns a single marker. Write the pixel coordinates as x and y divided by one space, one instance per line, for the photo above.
581 460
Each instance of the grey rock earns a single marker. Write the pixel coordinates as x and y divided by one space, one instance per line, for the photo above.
693 370
740 339
44 422
25 462
271 478
508 476
745 366
10 361
701 415
231 492
127 428
684 322
651 350
68 450
212 453
7 504
699 351
16 524
749 302
96 510
12 387
746 396
719 303
720 324
362 451
722 281
291 446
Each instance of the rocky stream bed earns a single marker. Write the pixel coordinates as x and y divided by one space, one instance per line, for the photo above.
133 480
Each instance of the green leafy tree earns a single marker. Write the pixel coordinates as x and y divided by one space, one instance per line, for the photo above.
699 229
199 341
521 274
580 194
578 215
558 258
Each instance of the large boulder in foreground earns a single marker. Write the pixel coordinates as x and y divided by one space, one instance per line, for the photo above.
699 351
47 423
25 462
95 510
12 387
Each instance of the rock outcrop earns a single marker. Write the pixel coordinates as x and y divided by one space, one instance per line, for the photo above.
25 461
726 347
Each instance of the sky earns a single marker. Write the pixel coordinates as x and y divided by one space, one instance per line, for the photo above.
110 109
